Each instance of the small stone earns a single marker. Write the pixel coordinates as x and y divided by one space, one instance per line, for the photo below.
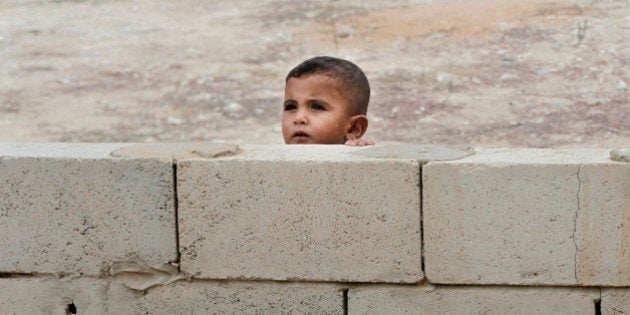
621 85
174 121
508 77
279 37
597 101
64 81
233 110
344 31
112 106
436 36
445 78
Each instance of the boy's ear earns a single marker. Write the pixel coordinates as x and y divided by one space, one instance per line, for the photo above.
358 127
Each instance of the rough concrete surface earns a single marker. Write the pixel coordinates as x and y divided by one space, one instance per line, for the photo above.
487 73
84 215
615 301
527 217
318 219
429 299
603 225
49 295
343 153
58 149
241 297
620 155
176 151
421 153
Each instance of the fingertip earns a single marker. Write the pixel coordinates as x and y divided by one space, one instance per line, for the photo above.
353 142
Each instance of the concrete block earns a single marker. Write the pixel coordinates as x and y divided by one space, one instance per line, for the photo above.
84 214
300 213
50 295
240 297
603 225
615 301
528 217
470 300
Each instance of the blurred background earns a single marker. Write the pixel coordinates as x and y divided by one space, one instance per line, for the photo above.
486 73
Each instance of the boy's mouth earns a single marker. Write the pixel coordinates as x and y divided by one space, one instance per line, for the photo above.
300 134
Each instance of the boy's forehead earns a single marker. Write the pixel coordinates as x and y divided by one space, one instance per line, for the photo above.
314 84
316 78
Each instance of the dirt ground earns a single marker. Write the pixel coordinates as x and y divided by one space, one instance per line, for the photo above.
487 73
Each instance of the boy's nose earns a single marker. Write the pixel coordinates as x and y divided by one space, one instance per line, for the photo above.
300 117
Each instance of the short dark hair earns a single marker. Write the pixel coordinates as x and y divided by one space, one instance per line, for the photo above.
350 75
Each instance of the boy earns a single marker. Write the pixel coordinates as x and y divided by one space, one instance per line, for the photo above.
325 102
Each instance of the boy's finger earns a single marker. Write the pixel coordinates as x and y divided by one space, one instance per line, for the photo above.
359 142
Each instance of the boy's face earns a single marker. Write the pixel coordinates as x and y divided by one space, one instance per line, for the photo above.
315 111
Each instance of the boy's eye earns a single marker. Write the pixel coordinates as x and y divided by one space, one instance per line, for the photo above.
317 106
289 107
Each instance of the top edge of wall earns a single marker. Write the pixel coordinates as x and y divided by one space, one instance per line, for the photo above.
210 150
342 153
537 156
280 152
161 151
58 149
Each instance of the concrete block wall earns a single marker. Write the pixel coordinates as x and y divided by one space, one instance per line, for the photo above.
528 217
198 228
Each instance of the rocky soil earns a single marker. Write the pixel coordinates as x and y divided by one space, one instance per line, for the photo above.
488 73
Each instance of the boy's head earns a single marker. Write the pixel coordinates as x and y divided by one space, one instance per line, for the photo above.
325 102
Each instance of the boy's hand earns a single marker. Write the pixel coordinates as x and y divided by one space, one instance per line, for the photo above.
359 142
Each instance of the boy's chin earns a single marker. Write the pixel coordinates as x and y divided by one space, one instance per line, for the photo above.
301 140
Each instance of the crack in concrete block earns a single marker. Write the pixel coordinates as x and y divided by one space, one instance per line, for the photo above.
577 215
176 214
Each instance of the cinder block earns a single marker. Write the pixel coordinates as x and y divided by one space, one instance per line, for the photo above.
83 214
471 300
50 295
603 225
528 217
225 297
615 301
300 213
